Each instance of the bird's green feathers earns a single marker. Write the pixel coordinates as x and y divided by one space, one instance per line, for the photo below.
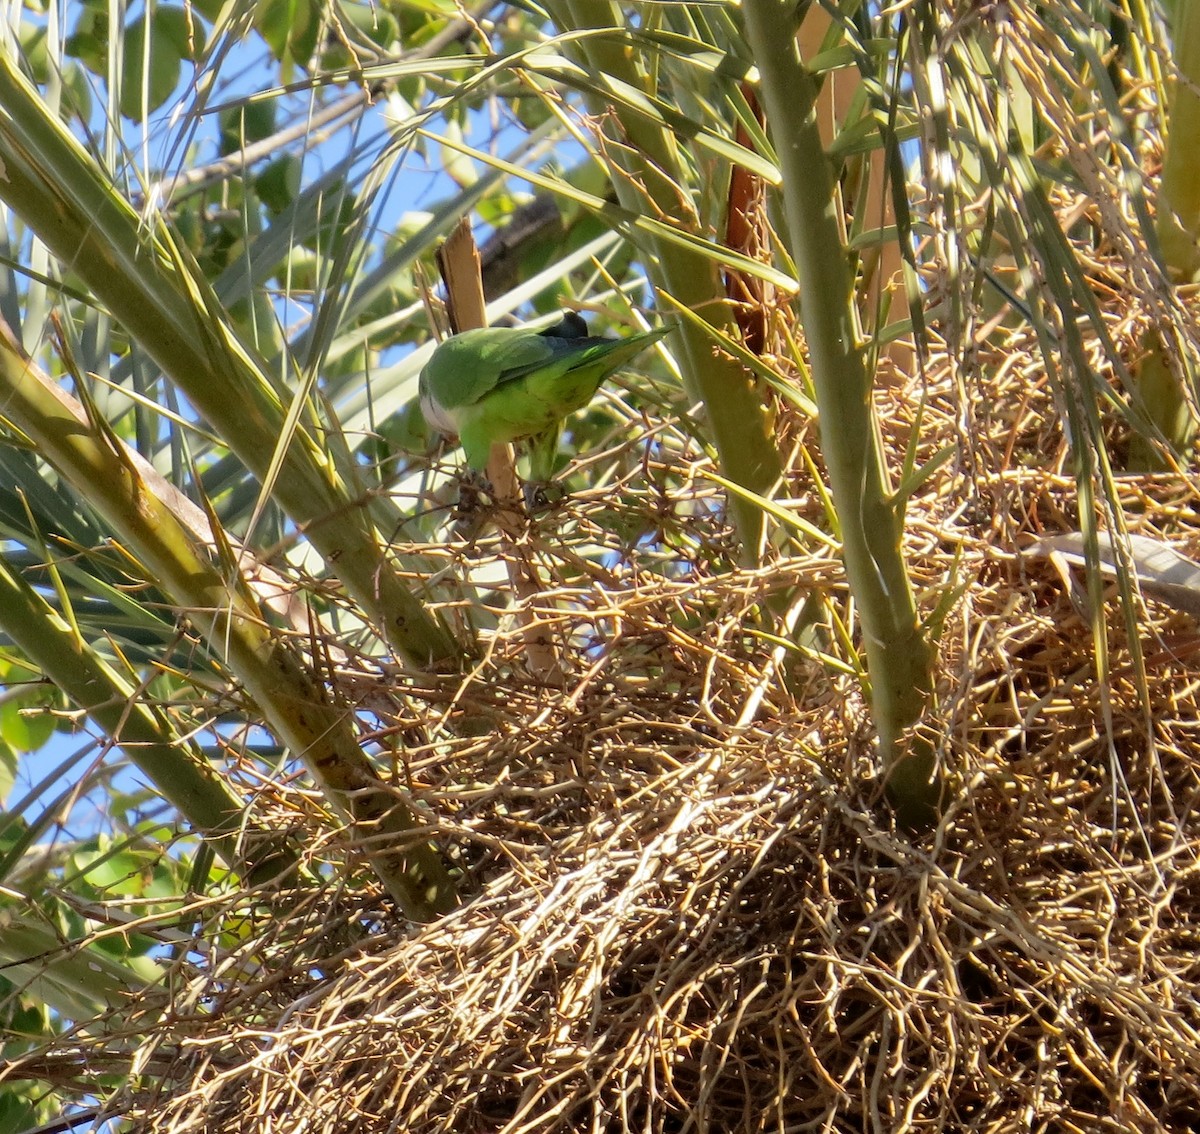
502 384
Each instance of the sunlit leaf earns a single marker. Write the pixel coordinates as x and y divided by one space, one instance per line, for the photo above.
148 82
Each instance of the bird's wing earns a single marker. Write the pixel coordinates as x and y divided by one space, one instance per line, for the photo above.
469 366
562 354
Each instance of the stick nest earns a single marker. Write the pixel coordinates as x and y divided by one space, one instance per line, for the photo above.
686 906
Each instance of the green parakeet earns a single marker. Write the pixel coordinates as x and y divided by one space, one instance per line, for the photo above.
500 384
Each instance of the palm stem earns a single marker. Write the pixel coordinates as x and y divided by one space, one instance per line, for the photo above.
898 657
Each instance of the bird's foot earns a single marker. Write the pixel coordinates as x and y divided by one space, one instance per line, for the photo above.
480 506
470 514
543 495
474 494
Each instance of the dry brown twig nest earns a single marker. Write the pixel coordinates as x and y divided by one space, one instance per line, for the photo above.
678 924
686 907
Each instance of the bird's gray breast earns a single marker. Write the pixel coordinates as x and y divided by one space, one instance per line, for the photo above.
435 415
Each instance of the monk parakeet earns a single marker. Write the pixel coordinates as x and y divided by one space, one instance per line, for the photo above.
501 384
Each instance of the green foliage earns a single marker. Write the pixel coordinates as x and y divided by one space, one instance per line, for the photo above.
245 123
279 183
27 709
152 64
358 31
88 42
8 772
155 50
291 29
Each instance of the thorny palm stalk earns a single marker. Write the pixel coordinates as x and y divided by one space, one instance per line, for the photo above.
898 657
1167 392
